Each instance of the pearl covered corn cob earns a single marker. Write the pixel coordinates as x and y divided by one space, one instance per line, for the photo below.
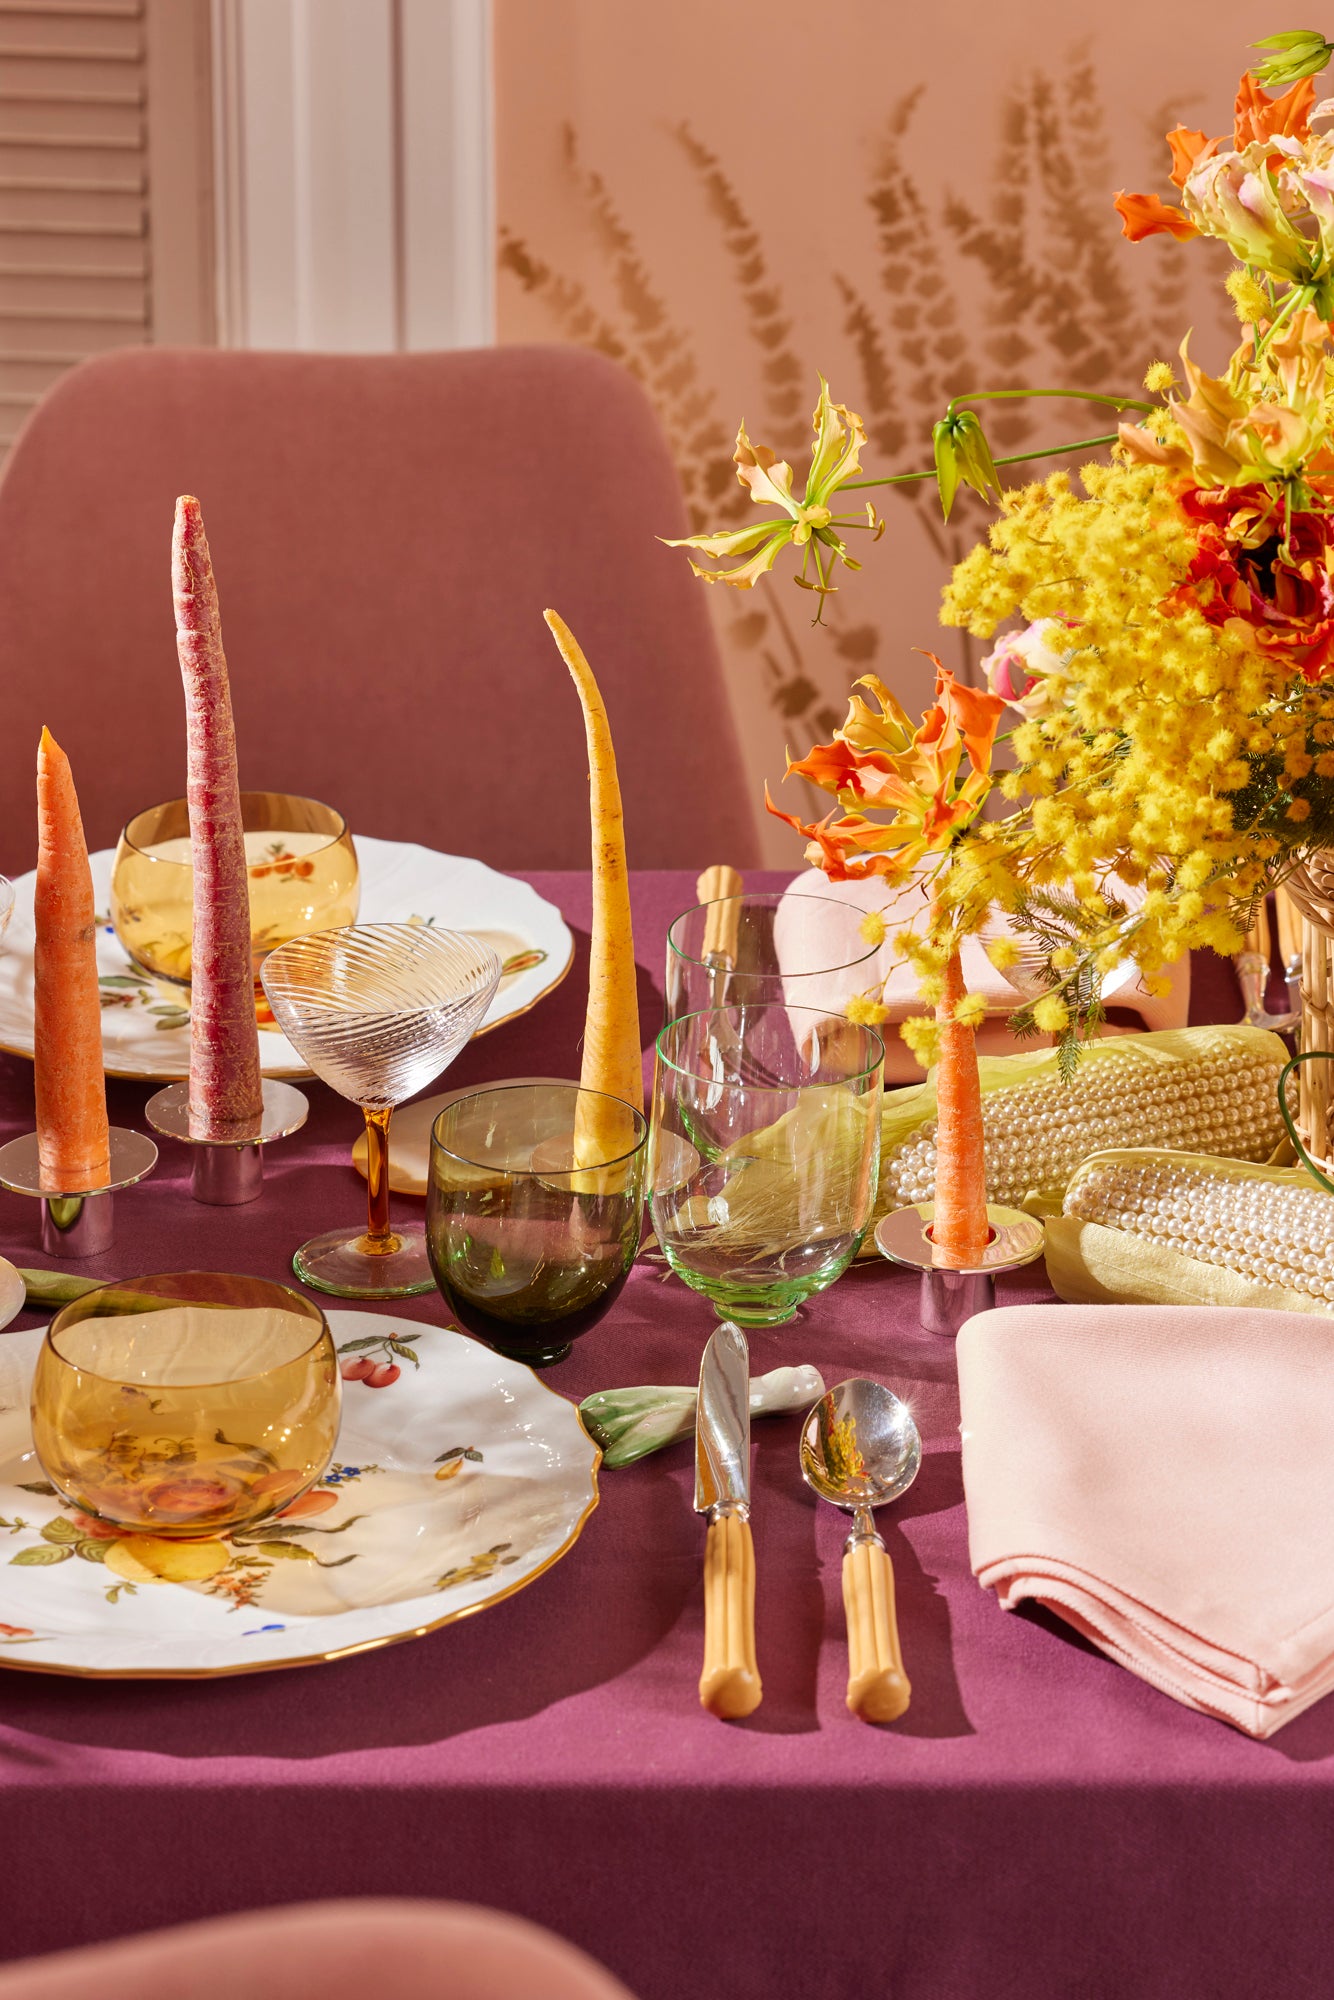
1208 1090
1277 1228
1268 1227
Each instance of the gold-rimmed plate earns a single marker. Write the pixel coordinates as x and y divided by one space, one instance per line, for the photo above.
145 1023
456 1481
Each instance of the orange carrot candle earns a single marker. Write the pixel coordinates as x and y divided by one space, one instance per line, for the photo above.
73 1143
226 1089
959 1230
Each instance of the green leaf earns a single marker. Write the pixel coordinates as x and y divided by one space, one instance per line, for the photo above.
342 1527
352 1346
120 979
36 1486
335 1562
400 1347
473 1454
40 1557
290 1551
92 1552
61 1530
176 1020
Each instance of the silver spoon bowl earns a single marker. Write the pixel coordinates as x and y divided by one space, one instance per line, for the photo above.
860 1449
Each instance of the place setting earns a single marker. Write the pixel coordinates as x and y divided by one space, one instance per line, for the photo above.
888 1091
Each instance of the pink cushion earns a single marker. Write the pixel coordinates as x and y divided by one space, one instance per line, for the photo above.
386 532
326 1951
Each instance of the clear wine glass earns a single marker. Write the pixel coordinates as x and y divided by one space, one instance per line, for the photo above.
377 1010
764 1153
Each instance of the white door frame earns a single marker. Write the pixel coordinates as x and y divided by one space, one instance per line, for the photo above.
355 173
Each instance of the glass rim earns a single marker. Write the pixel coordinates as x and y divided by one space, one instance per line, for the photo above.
554 1173
323 1330
770 896
167 861
774 1089
305 939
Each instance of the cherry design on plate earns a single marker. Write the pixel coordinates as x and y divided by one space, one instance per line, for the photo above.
372 1359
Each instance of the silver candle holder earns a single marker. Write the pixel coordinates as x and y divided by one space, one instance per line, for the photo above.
950 1296
228 1172
77 1222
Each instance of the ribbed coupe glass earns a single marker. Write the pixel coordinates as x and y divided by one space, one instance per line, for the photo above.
187 1404
377 1011
764 1153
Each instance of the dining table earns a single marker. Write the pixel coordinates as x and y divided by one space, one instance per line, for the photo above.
1040 1822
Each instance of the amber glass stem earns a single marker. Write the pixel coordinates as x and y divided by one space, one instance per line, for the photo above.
380 1238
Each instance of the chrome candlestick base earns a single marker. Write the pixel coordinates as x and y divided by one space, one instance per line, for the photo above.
79 1223
949 1297
228 1172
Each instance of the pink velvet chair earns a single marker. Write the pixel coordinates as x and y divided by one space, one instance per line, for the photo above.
326 1951
386 531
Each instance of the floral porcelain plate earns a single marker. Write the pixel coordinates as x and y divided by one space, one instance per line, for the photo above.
458 1478
145 1028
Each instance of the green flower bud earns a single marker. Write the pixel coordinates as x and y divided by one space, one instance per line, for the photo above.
947 462
1301 53
962 453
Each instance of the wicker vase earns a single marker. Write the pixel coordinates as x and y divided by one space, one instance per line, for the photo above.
1311 889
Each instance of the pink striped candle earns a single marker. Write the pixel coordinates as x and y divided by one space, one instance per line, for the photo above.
226 1090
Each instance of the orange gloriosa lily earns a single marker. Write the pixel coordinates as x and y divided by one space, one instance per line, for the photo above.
1256 118
879 762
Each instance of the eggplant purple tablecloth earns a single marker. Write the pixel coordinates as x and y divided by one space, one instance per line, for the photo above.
1041 1823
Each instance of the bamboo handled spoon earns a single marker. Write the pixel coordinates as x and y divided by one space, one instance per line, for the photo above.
861 1449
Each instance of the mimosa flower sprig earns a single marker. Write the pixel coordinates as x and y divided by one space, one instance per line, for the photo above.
1171 659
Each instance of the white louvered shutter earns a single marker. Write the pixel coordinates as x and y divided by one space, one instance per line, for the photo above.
79 145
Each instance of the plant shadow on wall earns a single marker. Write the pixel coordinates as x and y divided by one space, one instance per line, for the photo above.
951 294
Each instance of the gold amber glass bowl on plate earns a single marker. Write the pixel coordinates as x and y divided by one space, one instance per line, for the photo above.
300 864
187 1404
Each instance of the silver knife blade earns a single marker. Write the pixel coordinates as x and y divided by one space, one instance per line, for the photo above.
722 1422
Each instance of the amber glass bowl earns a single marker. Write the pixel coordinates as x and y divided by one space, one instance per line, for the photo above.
300 861
186 1404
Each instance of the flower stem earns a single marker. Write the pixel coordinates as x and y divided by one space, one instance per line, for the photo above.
1300 295
1014 458
1072 395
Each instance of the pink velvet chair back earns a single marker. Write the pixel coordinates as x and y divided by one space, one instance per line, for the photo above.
386 531
326 1951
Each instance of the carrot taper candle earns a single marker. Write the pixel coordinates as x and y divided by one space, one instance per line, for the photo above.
73 1142
226 1089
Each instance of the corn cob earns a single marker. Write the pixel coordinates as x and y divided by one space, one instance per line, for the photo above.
1268 1226
1205 1089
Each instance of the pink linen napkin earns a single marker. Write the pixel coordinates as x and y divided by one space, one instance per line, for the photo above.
802 936
1162 1477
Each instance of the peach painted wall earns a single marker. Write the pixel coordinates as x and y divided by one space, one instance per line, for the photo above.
913 199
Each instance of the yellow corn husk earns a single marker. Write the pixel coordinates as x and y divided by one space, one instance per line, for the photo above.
1204 1089
1146 1226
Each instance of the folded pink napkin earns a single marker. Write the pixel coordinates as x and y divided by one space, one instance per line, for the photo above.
808 932
1163 1478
